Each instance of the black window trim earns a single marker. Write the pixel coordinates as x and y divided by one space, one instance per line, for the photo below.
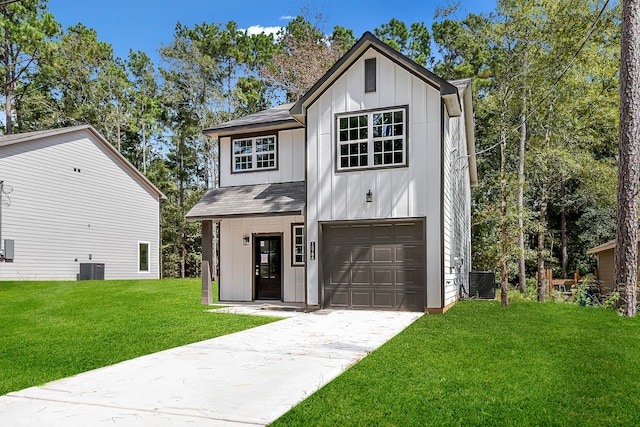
294 225
148 256
252 136
336 142
370 75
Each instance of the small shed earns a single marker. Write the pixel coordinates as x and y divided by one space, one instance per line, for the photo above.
605 273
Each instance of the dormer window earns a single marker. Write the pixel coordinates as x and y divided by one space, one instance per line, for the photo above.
255 153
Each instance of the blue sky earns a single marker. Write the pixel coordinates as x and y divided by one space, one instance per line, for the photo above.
146 24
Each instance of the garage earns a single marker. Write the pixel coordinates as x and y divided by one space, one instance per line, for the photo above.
374 265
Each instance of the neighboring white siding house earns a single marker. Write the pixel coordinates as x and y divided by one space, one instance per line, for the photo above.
74 199
378 160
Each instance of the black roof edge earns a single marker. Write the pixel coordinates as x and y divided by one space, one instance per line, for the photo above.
251 127
247 215
446 88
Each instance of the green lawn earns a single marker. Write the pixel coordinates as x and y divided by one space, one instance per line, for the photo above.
479 364
51 330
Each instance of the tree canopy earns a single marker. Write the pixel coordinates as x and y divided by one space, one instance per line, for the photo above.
545 78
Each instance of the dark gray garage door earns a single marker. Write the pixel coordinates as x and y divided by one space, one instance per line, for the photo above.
374 265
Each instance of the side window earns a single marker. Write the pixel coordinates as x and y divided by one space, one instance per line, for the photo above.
297 244
143 256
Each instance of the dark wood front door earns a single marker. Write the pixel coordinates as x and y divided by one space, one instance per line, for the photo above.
268 267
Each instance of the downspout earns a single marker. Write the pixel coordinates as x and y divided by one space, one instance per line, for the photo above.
442 110
306 227
1 192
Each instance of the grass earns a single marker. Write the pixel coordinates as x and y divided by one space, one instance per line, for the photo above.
51 330
480 364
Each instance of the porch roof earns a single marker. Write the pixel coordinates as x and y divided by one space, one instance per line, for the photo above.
283 198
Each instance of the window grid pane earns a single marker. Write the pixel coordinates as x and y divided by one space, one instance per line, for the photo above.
298 244
254 153
388 138
143 260
353 135
383 139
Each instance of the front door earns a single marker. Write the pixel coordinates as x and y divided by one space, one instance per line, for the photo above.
268 268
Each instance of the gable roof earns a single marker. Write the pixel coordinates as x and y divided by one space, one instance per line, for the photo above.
17 138
448 91
272 119
283 198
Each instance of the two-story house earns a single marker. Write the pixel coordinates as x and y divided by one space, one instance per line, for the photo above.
357 196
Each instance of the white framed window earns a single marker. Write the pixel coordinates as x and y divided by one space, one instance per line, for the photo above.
143 257
297 244
372 139
255 153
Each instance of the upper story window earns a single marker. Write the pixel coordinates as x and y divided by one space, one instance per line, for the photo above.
255 153
372 139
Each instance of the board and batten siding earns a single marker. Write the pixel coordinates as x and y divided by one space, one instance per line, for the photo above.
72 203
403 192
236 260
290 162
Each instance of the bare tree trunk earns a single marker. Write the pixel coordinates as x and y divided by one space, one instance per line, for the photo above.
183 233
564 243
626 251
144 149
541 232
8 84
504 246
522 280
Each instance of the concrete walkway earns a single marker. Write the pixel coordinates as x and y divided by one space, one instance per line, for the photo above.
244 379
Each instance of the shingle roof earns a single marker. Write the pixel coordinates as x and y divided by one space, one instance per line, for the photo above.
16 138
276 118
285 198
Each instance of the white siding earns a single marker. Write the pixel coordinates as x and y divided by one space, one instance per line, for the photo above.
290 162
60 217
236 259
412 191
456 209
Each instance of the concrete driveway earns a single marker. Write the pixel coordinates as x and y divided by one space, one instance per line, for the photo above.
243 379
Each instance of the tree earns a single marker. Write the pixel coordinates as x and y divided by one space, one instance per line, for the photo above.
147 110
541 70
303 55
413 42
192 94
26 25
75 83
626 251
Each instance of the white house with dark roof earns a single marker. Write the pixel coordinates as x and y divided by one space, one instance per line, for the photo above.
73 204
357 196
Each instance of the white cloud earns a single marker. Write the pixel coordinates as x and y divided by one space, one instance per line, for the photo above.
258 29
286 18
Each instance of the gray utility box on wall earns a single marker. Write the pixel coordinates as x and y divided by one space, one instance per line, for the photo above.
9 249
91 271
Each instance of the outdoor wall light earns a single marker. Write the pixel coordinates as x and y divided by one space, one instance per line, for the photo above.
369 196
246 239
